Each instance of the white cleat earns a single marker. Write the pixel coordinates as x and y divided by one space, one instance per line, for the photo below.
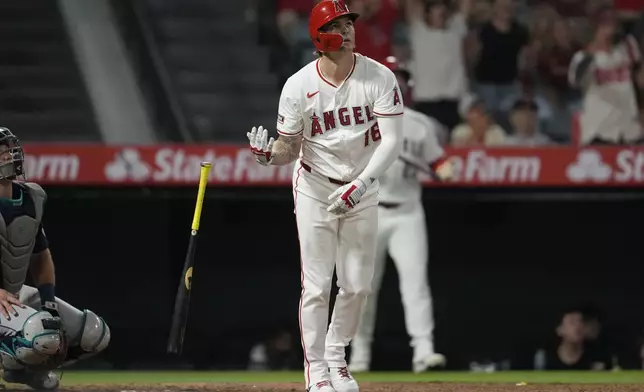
432 360
342 380
322 386
358 367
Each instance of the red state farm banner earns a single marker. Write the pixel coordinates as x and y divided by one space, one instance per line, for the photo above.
234 165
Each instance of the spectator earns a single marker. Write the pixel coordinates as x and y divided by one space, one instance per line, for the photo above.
479 128
438 63
502 49
604 72
375 27
553 62
524 122
568 351
277 352
292 22
528 92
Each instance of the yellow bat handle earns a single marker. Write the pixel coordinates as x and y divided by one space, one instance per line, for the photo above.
203 182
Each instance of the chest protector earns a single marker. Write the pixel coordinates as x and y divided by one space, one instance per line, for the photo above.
17 241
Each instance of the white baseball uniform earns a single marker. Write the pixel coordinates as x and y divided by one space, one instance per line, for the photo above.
610 109
340 134
402 234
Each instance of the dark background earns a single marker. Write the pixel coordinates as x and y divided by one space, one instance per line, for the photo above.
503 265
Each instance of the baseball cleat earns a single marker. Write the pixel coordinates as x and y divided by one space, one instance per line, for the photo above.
40 381
322 386
432 360
342 380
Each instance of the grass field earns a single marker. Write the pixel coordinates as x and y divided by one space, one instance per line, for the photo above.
172 381
190 377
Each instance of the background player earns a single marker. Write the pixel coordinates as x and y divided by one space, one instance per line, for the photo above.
402 233
38 331
342 115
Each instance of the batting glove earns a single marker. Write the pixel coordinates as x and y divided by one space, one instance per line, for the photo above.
261 146
347 196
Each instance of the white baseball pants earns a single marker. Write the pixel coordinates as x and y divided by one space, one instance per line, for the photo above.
346 243
402 234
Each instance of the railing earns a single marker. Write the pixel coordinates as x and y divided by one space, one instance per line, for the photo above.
153 76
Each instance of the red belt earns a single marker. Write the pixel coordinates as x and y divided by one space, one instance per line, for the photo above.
331 180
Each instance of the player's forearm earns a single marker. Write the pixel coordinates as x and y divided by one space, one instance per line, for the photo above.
286 150
387 151
42 268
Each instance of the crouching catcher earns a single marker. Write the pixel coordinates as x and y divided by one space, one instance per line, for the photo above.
38 331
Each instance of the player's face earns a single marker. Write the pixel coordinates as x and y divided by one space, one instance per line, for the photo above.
343 26
5 153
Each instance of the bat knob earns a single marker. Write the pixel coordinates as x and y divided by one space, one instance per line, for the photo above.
206 164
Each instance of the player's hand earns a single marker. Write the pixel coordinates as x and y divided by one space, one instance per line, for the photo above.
7 302
260 145
346 197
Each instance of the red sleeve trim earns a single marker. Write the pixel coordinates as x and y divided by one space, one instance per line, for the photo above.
388 115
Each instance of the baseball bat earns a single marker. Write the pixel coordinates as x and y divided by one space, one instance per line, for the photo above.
182 300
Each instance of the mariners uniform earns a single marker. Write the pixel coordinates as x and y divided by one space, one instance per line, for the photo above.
42 335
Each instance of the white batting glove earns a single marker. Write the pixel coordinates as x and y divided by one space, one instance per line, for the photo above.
347 196
260 145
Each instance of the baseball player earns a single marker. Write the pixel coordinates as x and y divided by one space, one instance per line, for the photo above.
38 331
340 120
402 233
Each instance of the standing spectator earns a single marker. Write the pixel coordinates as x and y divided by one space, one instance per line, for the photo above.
438 64
524 123
553 62
375 27
604 72
479 128
292 22
503 47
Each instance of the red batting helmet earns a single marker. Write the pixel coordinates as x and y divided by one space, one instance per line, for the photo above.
323 13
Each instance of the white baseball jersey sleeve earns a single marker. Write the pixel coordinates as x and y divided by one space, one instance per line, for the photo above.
609 103
401 182
338 123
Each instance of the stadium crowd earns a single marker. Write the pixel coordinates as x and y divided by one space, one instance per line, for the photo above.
501 72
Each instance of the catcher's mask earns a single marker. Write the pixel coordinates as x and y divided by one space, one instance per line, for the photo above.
12 156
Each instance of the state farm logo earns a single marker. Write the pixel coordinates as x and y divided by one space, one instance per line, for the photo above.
589 166
479 166
184 165
127 165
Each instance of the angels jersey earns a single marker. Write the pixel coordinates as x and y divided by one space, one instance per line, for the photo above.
609 104
401 182
338 123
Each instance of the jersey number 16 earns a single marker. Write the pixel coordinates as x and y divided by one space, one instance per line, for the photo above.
372 133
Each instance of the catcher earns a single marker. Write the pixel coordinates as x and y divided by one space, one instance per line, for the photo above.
38 331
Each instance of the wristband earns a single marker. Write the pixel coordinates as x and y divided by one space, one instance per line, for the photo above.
47 293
